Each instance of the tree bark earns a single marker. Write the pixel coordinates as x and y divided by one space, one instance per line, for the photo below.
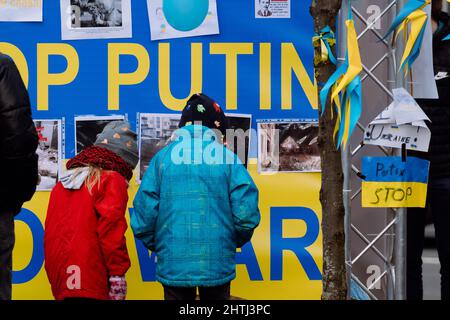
324 13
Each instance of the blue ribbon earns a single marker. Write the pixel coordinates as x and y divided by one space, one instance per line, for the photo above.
415 52
326 34
341 70
409 8
354 94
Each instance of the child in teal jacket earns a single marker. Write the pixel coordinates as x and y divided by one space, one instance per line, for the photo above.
196 205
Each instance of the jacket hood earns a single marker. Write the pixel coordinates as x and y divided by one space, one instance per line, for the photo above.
74 179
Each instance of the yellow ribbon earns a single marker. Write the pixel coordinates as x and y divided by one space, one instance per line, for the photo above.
354 69
326 40
417 20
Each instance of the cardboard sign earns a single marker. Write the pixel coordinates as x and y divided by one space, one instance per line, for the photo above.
393 136
402 122
392 183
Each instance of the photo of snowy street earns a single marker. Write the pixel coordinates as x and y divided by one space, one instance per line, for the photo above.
49 153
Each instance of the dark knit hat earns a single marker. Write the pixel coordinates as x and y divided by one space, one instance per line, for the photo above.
201 108
120 139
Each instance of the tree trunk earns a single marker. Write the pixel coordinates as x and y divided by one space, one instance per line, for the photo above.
325 13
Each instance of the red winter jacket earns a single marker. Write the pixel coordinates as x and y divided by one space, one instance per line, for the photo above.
84 238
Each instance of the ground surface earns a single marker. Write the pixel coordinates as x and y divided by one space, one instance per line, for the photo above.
431 266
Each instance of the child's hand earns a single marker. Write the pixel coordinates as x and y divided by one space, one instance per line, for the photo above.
117 288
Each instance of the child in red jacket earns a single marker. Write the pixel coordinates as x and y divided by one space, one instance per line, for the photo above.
85 249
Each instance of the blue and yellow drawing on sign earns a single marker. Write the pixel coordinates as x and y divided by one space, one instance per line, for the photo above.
393 183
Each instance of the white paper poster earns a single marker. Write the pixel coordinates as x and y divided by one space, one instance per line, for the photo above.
266 9
49 152
171 21
21 11
155 132
288 146
95 19
88 127
424 84
241 125
402 122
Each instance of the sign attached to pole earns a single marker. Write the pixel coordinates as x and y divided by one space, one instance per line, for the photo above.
393 183
402 122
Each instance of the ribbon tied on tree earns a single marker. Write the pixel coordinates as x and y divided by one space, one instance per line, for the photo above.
345 86
325 39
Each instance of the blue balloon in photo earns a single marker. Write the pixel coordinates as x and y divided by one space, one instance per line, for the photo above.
185 15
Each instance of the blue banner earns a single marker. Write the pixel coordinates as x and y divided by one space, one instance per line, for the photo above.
273 76
257 66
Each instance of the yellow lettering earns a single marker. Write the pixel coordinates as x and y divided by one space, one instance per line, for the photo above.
265 76
231 52
164 75
290 61
18 57
46 79
117 79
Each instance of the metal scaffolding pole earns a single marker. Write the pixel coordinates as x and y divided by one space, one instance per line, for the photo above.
394 272
346 159
400 225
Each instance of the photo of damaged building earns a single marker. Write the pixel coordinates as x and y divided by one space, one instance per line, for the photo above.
288 147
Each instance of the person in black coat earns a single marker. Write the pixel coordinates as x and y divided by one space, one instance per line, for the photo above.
18 162
438 110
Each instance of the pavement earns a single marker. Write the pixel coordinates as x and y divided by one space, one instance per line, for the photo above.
431 266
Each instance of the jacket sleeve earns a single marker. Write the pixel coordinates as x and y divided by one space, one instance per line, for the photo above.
18 139
111 205
146 205
18 136
244 203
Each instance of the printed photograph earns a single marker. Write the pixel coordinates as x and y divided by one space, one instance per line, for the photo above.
87 129
96 19
155 132
240 142
96 13
49 152
264 8
272 9
288 147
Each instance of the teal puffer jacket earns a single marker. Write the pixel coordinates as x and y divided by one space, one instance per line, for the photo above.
196 205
